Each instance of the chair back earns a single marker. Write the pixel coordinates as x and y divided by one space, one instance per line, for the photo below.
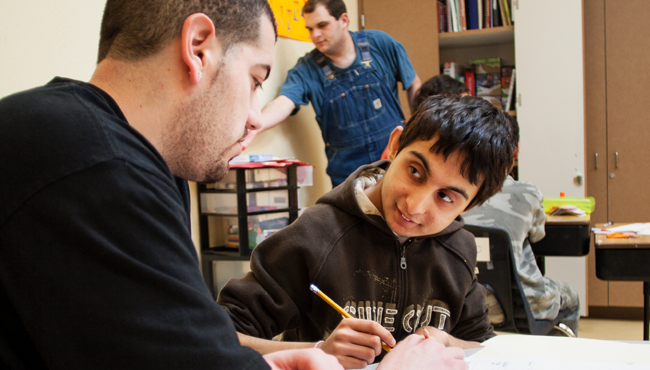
495 275
500 276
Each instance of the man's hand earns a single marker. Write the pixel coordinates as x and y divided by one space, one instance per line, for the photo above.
356 343
448 340
303 359
417 353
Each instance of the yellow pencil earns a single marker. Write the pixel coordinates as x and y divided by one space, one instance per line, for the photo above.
338 308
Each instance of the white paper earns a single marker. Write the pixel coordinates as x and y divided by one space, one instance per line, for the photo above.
566 349
512 363
638 228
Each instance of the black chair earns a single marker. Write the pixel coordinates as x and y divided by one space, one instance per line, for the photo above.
500 277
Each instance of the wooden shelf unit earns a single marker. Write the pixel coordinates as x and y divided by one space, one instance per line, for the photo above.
471 38
220 252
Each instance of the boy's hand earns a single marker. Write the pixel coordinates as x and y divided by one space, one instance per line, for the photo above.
441 336
447 339
417 353
307 359
356 343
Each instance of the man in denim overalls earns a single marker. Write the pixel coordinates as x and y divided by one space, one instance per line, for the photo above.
351 80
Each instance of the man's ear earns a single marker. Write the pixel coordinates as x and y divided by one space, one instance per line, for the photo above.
393 143
345 19
199 44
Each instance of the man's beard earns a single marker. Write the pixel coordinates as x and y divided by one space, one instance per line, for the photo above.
191 131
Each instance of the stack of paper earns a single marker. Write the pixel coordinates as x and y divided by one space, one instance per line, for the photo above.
637 228
568 210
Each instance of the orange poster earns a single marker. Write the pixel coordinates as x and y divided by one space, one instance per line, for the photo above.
289 16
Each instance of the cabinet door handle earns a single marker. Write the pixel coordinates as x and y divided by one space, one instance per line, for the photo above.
596 160
616 159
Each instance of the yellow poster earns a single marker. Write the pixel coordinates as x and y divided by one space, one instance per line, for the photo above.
289 16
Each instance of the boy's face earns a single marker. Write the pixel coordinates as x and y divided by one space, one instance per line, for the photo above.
421 193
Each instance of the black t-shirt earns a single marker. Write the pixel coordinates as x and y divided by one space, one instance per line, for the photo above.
97 266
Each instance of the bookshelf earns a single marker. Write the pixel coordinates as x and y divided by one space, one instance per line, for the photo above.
461 47
473 38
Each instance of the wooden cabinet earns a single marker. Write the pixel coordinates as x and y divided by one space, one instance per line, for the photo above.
414 24
617 128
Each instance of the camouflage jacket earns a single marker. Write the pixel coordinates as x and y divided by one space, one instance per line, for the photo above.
518 209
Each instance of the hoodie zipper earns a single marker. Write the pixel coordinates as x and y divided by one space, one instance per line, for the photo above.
402 285
402 262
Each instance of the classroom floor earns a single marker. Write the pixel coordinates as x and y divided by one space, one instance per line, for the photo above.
608 329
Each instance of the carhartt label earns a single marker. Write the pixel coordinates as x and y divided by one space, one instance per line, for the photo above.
377 103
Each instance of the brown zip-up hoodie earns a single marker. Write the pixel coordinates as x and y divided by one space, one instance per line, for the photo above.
359 263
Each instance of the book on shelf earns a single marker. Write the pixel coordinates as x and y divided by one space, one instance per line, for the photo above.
463 15
487 74
450 23
451 17
470 82
502 12
506 12
442 16
496 10
453 69
472 14
510 102
506 77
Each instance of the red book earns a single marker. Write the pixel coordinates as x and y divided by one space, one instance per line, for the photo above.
469 81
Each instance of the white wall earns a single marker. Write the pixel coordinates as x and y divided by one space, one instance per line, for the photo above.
41 39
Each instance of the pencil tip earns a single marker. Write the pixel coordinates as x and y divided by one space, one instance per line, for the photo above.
314 288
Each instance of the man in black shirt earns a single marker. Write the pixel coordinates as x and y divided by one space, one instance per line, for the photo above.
97 266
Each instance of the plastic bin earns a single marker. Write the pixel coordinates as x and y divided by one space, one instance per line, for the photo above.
587 204
226 203
226 232
267 177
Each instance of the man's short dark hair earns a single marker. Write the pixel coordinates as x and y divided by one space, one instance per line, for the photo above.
334 7
475 128
439 85
136 29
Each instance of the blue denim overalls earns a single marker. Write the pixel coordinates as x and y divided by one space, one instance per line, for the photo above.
359 113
